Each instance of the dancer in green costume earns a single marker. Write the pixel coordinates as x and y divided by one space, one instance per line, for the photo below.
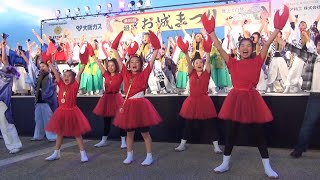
219 70
91 80
182 75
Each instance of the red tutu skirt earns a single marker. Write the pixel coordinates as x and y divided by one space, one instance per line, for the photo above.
245 107
137 113
198 108
108 105
68 122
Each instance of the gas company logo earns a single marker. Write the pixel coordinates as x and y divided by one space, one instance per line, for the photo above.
57 30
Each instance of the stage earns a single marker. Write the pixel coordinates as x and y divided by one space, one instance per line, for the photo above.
288 111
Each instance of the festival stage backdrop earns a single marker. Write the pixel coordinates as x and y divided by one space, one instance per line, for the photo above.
18 17
171 22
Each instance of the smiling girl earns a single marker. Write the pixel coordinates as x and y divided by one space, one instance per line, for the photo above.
137 113
244 104
68 120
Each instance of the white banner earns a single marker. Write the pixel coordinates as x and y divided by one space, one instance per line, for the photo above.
306 10
90 27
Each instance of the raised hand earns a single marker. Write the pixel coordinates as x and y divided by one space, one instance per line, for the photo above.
207 44
116 42
132 50
209 25
183 46
84 58
154 40
281 20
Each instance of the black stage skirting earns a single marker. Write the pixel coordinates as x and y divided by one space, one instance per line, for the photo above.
288 112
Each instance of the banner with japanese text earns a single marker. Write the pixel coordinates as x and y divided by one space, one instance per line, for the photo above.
170 21
191 18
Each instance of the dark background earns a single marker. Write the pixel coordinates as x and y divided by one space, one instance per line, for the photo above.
282 132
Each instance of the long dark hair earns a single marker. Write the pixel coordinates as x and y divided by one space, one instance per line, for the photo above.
114 61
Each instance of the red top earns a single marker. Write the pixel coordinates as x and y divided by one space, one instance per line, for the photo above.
60 56
112 83
140 80
71 92
199 84
245 73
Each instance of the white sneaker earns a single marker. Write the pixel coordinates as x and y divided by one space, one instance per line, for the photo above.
154 92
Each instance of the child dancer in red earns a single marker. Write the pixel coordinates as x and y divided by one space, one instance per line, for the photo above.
111 100
136 113
68 120
244 104
198 107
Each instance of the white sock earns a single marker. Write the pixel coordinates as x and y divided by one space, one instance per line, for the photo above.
84 157
216 147
182 145
129 158
103 142
54 156
224 166
123 142
148 161
268 170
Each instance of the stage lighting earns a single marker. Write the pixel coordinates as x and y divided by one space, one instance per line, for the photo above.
98 9
131 4
58 13
139 4
109 7
87 9
147 3
68 12
121 5
77 11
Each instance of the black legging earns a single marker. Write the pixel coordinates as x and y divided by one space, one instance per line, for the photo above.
202 124
107 126
257 134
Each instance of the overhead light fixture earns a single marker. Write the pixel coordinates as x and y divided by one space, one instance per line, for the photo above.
68 12
87 9
147 3
109 7
121 5
98 9
131 4
77 11
58 13
139 4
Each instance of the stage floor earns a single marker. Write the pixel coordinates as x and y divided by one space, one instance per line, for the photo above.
288 112
106 163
